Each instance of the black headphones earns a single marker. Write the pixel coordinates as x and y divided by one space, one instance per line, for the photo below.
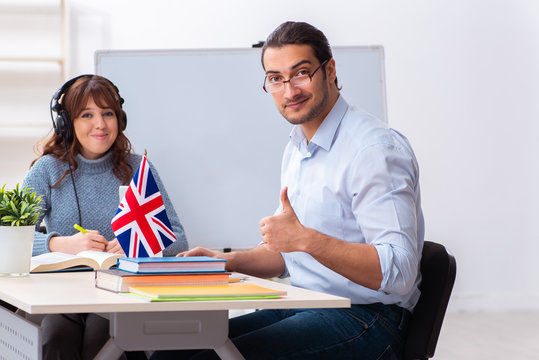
63 125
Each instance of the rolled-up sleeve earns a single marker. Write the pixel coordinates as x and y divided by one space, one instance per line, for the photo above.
386 206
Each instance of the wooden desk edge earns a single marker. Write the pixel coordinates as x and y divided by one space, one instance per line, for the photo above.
102 301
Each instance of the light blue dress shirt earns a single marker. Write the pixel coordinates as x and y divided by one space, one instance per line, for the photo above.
357 180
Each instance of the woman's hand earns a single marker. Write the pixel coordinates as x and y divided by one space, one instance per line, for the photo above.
114 247
79 242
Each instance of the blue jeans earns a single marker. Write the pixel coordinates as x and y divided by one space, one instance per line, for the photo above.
373 331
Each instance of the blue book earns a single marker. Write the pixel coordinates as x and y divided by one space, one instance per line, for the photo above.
188 264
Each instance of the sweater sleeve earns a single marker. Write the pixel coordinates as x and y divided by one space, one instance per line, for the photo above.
38 179
181 240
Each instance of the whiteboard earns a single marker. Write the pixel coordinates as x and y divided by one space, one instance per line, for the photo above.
215 136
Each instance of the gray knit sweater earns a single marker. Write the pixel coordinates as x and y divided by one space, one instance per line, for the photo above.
97 190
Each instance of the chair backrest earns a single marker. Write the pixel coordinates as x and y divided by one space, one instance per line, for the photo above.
438 271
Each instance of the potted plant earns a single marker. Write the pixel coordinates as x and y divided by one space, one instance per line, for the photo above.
19 211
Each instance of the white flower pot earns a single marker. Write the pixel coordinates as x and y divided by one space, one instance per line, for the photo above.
16 244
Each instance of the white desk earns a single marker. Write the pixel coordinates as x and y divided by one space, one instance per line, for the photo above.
136 324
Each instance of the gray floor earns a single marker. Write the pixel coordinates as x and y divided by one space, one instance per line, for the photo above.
489 336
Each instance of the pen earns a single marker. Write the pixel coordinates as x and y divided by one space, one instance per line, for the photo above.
80 228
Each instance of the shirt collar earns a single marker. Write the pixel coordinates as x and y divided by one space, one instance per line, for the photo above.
326 132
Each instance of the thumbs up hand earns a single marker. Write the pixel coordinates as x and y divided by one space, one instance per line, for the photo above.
283 232
287 207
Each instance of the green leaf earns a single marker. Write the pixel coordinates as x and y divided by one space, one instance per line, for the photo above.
24 206
14 208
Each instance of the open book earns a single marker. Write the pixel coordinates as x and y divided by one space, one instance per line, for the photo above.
57 261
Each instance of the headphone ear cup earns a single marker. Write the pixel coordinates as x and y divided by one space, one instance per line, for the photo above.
124 120
64 127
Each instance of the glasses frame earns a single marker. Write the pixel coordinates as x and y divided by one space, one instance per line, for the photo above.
311 75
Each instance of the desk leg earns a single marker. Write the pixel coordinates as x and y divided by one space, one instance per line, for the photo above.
109 351
228 351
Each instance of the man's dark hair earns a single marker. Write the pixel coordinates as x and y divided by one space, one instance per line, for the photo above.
300 33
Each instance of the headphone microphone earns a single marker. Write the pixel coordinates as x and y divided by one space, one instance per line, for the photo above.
63 124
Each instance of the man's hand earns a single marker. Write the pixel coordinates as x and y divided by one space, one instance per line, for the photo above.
79 242
199 251
283 232
257 262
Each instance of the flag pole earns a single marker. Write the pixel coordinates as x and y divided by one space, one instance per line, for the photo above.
145 153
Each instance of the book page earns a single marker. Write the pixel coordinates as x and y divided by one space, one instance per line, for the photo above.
104 259
57 261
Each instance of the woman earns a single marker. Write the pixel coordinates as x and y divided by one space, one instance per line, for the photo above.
78 176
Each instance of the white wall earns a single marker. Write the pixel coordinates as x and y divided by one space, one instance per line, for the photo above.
463 85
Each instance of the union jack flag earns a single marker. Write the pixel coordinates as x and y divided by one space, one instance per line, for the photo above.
141 224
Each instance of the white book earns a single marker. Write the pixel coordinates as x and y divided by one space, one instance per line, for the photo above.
58 261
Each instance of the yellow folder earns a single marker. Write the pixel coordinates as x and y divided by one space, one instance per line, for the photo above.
205 291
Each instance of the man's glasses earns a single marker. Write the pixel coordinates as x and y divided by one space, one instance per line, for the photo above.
302 78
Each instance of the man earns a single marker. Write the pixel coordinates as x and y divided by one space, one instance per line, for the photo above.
350 224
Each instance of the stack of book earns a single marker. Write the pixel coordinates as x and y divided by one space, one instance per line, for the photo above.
165 271
177 279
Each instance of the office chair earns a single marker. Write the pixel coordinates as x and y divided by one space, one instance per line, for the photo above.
438 270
